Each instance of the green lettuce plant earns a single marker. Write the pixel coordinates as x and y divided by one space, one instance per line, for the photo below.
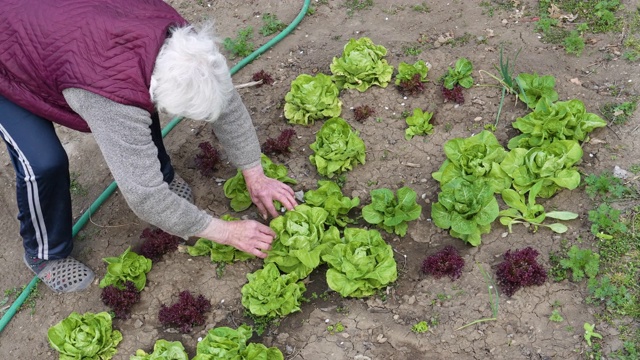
460 74
562 120
361 66
527 212
87 336
301 239
535 88
406 72
552 165
312 98
225 343
270 294
466 208
337 148
360 265
392 213
419 124
474 158
329 196
235 188
163 350
127 267
218 253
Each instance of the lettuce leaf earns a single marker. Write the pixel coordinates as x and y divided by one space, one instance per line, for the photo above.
337 148
418 124
466 208
534 88
391 213
329 197
312 98
301 239
459 74
223 343
563 120
474 158
127 267
361 66
87 336
163 350
552 164
270 294
360 265
235 188
407 71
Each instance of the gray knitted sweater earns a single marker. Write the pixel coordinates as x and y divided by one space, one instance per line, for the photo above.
123 135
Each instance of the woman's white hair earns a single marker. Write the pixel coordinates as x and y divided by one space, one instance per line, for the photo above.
191 77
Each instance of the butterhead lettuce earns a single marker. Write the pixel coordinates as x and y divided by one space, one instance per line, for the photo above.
312 98
337 148
270 294
88 336
301 240
361 66
361 264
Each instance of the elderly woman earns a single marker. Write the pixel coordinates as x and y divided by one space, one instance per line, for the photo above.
107 66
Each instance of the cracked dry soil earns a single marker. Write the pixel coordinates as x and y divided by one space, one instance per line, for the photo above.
374 329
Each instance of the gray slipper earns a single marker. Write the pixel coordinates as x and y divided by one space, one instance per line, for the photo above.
181 188
65 275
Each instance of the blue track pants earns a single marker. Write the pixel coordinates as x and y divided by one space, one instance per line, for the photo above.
42 179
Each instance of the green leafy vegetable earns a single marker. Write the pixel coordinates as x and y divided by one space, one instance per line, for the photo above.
474 158
391 213
563 120
270 294
163 350
225 343
301 240
360 265
467 208
87 336
406 71
329 197
127 267
361 66
534 88
581 262
528 212
589 332
418 124
257 351
552 164
217 252
459 74
312 98
337 148
236 188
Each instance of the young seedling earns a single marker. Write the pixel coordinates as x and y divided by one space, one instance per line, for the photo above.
420 328
555 316
589 333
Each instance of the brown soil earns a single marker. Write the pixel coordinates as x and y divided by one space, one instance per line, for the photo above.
377 327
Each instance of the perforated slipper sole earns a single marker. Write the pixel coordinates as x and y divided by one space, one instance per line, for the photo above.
181 188
65 275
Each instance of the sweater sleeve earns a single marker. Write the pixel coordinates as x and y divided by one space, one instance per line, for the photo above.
237 135
124 137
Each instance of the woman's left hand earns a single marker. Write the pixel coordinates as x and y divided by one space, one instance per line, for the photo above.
264 190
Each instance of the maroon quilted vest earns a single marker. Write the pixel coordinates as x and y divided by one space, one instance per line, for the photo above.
107 47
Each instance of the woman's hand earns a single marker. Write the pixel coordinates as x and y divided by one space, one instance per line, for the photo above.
246 235
264 190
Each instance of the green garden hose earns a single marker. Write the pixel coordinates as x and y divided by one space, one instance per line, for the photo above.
112 187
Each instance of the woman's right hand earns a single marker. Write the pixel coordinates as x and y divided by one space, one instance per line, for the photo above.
246 235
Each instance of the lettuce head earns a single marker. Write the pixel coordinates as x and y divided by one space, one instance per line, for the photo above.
312 98
361 66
